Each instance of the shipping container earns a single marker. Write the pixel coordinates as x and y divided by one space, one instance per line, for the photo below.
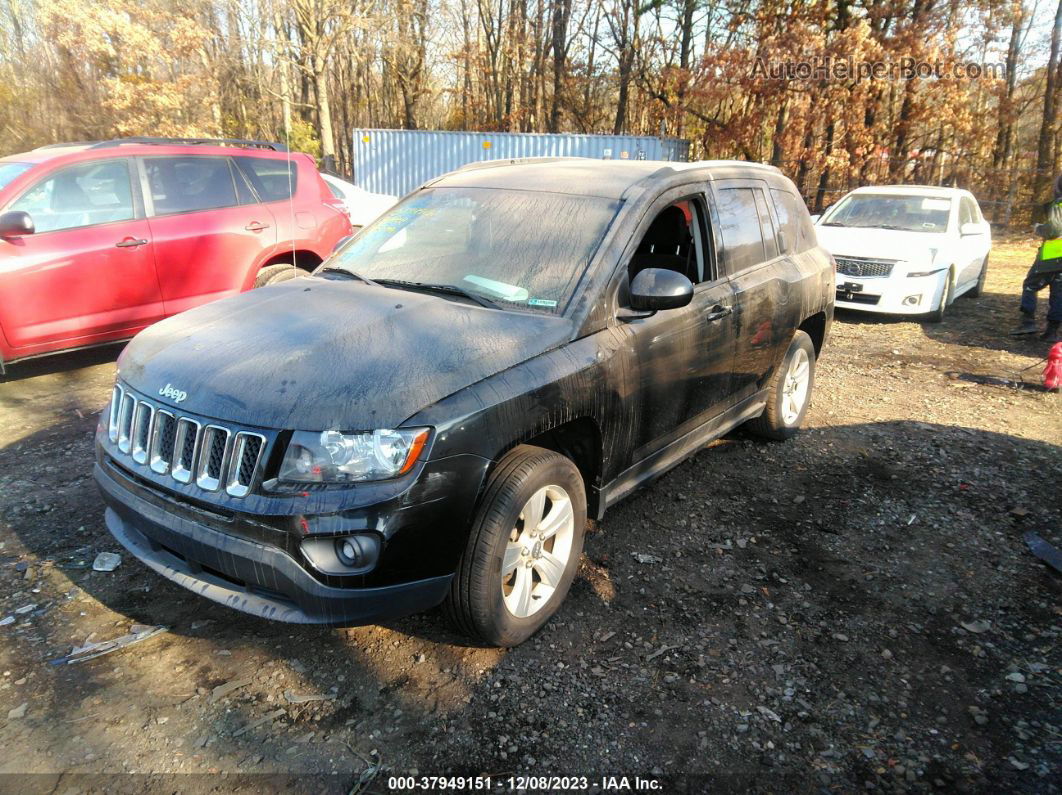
398 161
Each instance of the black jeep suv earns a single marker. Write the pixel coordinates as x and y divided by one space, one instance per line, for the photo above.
433 415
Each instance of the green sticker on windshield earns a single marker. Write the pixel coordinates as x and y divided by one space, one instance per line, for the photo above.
543 302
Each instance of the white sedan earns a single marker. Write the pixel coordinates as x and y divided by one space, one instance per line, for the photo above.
361 206
906 249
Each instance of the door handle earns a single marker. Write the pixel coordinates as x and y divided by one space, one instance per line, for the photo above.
718 313
254 226
130 243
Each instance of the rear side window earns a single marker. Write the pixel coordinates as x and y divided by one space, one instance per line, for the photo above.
739 228
187 184
83 195
798 233
273 179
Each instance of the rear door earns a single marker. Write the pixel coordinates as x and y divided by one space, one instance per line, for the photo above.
88 272
760 274
209 230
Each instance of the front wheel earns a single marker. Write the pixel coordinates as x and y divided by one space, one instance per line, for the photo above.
789 392
524 548
275 274
937 315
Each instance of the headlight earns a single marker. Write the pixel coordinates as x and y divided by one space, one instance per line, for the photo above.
916 274
334 457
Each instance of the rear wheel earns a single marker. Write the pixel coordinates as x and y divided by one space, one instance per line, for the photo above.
979 288
789 392
524 548
278 272
937 315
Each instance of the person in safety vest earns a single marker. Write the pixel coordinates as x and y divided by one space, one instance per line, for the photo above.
1046 271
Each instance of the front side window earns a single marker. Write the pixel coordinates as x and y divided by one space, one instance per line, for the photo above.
673 241
191 183
273 179
518 249
83 195
8 172
891 211
739 228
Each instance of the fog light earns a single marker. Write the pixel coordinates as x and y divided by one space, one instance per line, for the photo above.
355 554
912 300
349 552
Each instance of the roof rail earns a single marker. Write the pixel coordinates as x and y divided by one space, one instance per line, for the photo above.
276 147
515 161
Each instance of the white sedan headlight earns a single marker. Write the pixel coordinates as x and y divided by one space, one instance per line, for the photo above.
335 457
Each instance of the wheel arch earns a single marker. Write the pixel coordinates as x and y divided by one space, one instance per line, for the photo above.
815 327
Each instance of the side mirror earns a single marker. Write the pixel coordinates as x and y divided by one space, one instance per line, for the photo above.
815 219
970 228
342 242
658 288
15 224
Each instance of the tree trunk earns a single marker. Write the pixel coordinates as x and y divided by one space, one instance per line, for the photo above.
1044 162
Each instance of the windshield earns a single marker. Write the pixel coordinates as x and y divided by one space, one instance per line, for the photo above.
8 172
908 213
519 249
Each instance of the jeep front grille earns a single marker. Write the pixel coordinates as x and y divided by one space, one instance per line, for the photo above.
864 268
212 456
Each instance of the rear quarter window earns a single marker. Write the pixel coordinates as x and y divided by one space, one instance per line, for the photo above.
273 179
798 232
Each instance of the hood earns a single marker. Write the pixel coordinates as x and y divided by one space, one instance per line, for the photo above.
317 354
842 241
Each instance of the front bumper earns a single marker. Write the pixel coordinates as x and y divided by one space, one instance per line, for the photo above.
257 578
893 295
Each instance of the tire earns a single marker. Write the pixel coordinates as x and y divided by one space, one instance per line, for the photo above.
937 315
275 274
484 601
979 288
780 420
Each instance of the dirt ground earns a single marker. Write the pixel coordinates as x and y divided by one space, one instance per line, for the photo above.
854 609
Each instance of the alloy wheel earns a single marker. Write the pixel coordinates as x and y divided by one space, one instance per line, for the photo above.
795 386
538 552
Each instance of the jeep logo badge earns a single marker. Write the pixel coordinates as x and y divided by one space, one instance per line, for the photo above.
175 395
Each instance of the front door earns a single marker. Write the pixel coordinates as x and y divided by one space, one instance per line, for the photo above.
683 357
87 273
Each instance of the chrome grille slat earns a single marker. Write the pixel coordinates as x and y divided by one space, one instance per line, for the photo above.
213 457
164 434
210 456
246 453
125 422
140 436
115 413
185 448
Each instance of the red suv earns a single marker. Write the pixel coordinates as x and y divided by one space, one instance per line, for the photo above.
99 240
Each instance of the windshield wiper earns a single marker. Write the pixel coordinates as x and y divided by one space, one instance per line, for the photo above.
348 274
451 289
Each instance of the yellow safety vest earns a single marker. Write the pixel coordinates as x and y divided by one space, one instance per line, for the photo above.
1051 249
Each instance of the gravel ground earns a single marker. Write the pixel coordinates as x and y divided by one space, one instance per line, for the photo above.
854 609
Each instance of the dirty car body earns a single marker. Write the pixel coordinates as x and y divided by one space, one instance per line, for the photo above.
191 454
